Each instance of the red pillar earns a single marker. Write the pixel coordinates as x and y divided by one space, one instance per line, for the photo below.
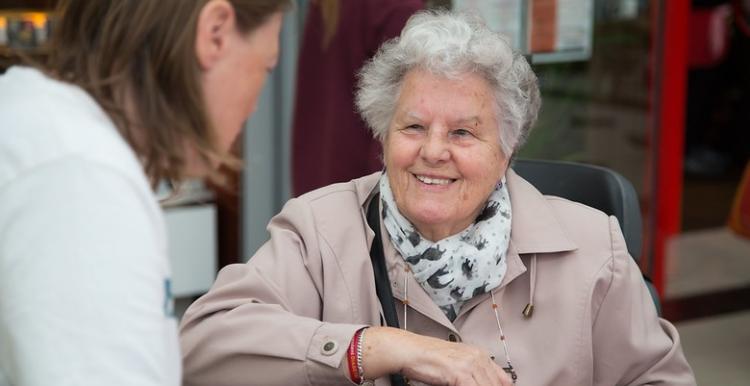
670 54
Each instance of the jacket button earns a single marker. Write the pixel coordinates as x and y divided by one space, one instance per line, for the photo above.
329 348
452 338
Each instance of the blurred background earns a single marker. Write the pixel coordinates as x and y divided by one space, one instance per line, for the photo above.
657 90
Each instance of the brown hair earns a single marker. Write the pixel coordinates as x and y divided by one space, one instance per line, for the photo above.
139 56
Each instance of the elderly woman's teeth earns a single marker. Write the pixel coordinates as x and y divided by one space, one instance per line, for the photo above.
434 181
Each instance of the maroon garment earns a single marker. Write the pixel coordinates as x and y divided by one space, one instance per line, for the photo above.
330 142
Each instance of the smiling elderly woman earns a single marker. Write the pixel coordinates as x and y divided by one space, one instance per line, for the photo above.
437 246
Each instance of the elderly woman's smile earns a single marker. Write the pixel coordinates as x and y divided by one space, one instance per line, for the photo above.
442 151
434 181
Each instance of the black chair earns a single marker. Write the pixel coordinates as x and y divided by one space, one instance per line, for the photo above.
597 187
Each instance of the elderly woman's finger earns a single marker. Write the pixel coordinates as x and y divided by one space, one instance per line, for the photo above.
495 375
504 378
485 375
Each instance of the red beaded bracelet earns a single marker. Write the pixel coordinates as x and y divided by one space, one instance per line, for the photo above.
353 360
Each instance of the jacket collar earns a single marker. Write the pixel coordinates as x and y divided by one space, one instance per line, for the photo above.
534 227
366 188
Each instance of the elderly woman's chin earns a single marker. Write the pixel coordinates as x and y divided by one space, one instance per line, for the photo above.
439 211
434 221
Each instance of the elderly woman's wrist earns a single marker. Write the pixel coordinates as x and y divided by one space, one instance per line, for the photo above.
354 357
383 351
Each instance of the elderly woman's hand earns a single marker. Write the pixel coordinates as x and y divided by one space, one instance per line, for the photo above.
428 360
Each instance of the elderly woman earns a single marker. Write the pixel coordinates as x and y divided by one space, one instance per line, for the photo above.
448 244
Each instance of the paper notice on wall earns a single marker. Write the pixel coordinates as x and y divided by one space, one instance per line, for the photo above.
504 16
560 29
551 30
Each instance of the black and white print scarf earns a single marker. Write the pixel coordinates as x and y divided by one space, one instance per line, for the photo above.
461 266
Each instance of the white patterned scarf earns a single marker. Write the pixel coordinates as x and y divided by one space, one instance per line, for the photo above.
461 266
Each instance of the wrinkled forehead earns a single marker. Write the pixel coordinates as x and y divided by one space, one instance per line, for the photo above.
466 99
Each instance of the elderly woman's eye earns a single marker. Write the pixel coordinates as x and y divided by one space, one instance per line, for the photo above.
414 127
461 132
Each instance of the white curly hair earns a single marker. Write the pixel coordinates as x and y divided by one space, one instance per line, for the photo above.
451 44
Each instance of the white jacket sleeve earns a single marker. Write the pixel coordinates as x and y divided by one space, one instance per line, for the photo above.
84 280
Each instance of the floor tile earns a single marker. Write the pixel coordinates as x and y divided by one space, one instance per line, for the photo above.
718 348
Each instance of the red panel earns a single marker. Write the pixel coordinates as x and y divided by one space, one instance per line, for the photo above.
543 34
671 84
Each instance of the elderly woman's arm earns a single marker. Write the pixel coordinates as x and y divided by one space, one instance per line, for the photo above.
429 360
261 325
631 345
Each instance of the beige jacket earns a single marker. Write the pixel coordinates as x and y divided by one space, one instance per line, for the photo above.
267 322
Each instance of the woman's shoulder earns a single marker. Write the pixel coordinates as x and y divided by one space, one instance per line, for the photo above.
583 238
599 249
589 228
339 197
47 121
362 187
30 95
540 220
327 224
574 215
334 207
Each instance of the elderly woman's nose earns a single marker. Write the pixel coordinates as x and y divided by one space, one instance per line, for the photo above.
435 148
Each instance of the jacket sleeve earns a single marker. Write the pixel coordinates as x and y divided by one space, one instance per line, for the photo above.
260 324
632 345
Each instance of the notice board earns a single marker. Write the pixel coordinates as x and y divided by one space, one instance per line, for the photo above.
547 30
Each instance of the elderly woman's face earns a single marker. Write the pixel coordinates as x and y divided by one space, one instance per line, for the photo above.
442 151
